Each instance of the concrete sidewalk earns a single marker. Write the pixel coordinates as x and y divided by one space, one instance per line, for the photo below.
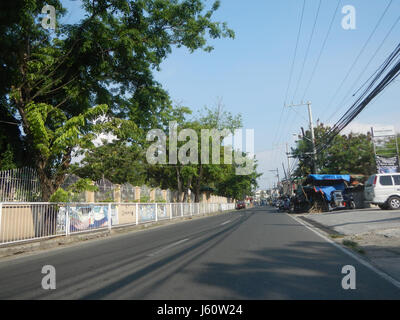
352 222
375 232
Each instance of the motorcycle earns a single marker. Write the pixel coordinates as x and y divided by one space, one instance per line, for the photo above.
285 205
349 202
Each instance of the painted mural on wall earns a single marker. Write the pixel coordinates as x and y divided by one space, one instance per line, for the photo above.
61 220
147 213
162 212
86 217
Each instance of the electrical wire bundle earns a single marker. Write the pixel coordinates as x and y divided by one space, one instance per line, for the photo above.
392 64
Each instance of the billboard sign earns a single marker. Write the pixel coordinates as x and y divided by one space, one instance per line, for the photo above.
387 165
386 152
383 131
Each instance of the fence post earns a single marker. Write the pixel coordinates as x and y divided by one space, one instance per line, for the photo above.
190 208
109 216
156 212
137 213
181 209
1 212
170 211
67 222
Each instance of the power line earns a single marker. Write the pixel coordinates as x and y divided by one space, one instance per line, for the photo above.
340 106
277 132
322 50
308 49
13 123
370 93
359 54
295 51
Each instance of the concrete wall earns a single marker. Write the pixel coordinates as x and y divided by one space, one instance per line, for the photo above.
16 223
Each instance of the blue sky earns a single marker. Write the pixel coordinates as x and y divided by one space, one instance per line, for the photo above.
251 73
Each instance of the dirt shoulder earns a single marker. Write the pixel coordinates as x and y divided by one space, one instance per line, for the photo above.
381 247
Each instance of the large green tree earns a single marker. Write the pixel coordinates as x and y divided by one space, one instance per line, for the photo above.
346 154
57 85
117 161
220 179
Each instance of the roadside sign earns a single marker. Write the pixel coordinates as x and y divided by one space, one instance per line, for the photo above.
383 131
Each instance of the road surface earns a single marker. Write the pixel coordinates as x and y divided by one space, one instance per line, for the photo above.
249 254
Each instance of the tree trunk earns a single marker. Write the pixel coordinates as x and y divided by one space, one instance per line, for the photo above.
197 193
179 183
46 185
197 185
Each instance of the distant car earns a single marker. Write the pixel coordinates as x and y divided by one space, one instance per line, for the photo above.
240 205
383 190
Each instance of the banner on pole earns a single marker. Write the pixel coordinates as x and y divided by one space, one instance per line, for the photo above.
387 165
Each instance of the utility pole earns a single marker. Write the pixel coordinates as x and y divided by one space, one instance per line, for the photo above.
289 175
277 175
286 172
308 104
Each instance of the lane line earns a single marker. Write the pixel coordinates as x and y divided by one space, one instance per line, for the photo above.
224 223
384 275
167 247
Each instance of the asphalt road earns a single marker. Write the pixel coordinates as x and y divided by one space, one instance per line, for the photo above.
249 254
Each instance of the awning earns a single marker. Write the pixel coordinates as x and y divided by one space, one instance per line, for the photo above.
324 177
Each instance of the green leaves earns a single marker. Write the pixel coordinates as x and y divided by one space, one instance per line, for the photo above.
94 76
36 115
68 195
347 154
52 133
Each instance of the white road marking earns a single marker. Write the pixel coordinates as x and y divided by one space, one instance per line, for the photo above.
224 223
349 253
167 247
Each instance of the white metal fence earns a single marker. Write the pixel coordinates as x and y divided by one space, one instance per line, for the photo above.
23 221
19 185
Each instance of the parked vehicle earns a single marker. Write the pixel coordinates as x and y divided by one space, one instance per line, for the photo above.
240 205
284 204
349 200
383 190
337 201
341 200
281 205
276 203
315 195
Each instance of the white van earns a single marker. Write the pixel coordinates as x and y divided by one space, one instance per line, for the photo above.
383 190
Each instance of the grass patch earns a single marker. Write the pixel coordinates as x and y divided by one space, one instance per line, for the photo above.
353 245
336 236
